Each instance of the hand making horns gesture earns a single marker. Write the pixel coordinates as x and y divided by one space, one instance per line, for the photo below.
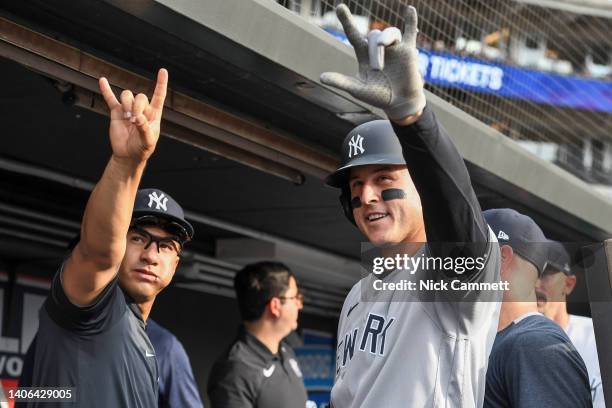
388 76
135 123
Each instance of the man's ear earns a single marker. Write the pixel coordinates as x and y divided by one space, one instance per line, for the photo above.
274 307
570 284
507 253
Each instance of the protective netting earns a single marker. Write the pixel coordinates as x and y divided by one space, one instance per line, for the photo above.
539 75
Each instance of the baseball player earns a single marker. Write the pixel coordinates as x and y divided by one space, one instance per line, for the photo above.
177 387
403 182
91 334
533 363
552 290
259 369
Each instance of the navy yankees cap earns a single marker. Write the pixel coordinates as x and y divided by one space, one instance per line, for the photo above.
372 142
155 203
521 233
558 258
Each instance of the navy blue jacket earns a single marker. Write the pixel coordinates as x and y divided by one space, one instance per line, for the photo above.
177 387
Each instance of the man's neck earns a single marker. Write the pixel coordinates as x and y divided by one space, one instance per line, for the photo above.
418 234
145 308
265 334
558 314
409 246
511 311
402 249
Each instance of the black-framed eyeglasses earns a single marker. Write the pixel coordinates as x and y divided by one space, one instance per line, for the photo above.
171 227
166 245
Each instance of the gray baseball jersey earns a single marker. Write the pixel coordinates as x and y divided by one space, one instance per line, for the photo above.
580 330
399 351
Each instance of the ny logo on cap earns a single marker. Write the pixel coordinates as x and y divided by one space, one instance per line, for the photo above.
503 235
160 201
356 144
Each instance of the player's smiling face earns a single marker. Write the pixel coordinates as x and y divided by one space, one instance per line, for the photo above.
145 272
386 222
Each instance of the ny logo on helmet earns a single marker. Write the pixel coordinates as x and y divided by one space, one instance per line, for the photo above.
355 144
160 201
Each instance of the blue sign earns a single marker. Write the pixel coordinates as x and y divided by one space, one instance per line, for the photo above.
317 358
468 74
475 75
480 76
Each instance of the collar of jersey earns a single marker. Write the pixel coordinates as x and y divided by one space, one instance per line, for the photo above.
260 349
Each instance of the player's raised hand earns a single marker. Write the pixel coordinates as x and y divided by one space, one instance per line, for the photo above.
388 76
135 123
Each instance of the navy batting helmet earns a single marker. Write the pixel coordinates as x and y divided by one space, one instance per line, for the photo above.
373 142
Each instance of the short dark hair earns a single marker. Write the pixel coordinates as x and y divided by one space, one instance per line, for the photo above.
257 283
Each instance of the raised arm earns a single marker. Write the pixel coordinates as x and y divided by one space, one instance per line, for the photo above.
389 78
133 132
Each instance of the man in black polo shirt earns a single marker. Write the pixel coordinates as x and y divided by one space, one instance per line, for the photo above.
91 334
260 369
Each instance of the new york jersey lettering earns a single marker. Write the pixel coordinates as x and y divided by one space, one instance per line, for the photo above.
371 339
349 346
376 329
